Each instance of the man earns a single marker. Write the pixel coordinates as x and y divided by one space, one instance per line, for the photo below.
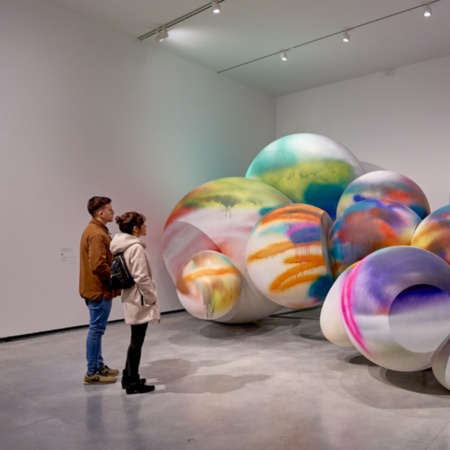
95 258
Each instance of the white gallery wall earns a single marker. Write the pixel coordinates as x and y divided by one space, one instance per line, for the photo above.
86 110
396 120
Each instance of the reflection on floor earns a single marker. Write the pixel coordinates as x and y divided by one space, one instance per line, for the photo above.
273 384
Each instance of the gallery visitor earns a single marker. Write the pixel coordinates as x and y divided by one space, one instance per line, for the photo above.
94 287
140 301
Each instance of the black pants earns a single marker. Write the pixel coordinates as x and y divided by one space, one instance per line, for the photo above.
134 351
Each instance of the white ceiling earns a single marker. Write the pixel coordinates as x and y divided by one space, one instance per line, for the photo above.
246 30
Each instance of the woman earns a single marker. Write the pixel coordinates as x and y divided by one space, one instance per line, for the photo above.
140 302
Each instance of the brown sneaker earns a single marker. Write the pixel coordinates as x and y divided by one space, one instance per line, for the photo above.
107 372
96 378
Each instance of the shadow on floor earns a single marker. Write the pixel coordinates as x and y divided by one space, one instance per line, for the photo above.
421 381
179 377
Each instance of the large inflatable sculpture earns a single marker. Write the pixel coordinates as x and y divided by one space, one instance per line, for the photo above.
238 249
307 227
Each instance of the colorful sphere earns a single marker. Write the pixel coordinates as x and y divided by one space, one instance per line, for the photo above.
440 364
396 307
209 285
433 233
367 226
308 168
331 318
385 185
218 215
287 256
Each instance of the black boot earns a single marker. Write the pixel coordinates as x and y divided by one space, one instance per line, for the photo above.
126 379
138 388
134 386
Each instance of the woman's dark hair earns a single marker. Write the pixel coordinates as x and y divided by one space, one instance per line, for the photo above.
96 203
129 220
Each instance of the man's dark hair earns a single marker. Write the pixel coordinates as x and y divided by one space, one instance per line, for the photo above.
96 203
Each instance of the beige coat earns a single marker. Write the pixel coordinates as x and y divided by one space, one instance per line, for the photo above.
140 301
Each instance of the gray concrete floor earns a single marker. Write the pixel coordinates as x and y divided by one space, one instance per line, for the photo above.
273 384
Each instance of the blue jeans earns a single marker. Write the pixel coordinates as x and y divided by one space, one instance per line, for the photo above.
99 313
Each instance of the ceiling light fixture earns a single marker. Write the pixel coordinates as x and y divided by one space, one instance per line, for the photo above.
188 15
162 34
427 11
215 7
327 36
345 37
284 55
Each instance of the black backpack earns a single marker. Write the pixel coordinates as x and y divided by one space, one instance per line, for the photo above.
120 276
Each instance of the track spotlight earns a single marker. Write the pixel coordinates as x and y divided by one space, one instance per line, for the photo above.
345 37
284 55
162 34
215 7
427 11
